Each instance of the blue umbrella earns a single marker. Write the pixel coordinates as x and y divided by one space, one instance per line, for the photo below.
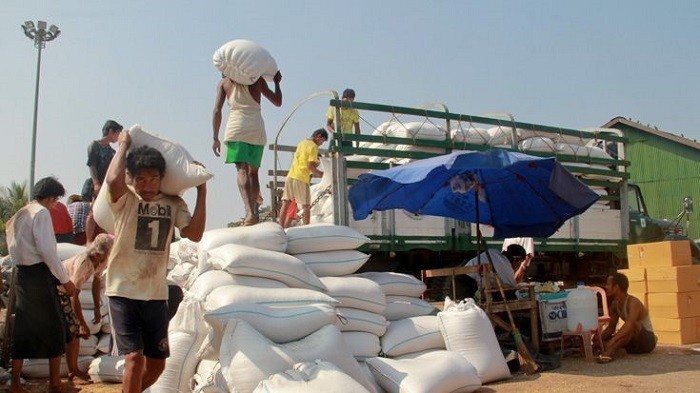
518 194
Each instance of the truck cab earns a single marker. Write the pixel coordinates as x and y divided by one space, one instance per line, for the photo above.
643 228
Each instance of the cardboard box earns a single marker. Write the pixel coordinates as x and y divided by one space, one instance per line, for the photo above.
673 279
668 253
677 331
637 277
674 305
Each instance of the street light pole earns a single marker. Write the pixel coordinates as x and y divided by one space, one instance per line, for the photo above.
40 35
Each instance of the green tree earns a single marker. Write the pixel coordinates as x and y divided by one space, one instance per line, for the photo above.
12 198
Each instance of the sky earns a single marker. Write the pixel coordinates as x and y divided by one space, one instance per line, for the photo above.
559 63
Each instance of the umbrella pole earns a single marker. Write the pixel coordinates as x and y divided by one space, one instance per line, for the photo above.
526 360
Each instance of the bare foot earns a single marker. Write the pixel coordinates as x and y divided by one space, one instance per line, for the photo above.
250 221
83 376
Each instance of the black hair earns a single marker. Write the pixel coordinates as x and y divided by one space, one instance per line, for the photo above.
348 93
111 125
514 250
47 187
320 132
145 157
621 281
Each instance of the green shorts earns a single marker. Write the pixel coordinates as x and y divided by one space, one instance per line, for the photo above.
244 153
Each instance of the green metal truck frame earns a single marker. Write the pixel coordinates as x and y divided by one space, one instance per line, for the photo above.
458 236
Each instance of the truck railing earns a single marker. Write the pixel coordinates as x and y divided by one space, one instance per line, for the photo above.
603 172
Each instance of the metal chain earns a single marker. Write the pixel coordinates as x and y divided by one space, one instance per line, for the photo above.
318 198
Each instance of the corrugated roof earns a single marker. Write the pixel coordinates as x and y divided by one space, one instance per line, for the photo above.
654 131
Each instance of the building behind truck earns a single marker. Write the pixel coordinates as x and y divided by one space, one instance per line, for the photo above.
666 168
587 247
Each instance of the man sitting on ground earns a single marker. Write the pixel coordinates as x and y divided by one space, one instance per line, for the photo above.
636 334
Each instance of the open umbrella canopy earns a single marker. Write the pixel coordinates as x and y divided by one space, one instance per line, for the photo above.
517 194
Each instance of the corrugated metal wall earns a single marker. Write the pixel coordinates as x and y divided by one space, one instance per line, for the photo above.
666 172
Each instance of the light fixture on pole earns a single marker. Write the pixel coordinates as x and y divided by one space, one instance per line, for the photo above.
40 35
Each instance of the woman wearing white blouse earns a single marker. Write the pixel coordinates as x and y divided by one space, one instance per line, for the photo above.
39 331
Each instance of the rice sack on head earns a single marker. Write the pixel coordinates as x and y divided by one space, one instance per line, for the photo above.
244 61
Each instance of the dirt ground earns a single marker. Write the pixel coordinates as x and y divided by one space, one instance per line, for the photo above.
667 369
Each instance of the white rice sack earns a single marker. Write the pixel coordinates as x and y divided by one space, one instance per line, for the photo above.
396 284
362 345
107 369
86 300
181 173
208 378
412 335
315 376
188 318
237 295
433 372
94 328
101 211
356 320
104 343
400 307
186 333
249 261
500 135
247 357
173 257
279 324
266 236
88 346
471 134
212 279
368 374
538 143
181 365
323 237
180 274
467 331
334 263
417 130
87 285
356 292
106 325
39 368
187 251
244 61
68 250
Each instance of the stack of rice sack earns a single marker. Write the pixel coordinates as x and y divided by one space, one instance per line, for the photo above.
274 311
292 315
412 348
330 252
424 130
90 347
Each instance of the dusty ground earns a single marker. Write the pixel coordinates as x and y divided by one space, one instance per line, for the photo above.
668 369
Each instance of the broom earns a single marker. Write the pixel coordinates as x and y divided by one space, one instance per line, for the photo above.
527 363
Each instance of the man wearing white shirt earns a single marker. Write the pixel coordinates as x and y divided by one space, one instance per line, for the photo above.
39 329
503 266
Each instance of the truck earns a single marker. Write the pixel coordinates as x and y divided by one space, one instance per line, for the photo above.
586 248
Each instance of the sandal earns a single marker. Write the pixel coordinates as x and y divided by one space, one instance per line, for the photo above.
604 359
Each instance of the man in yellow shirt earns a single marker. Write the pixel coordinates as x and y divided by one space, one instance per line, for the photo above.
349 117
297 186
